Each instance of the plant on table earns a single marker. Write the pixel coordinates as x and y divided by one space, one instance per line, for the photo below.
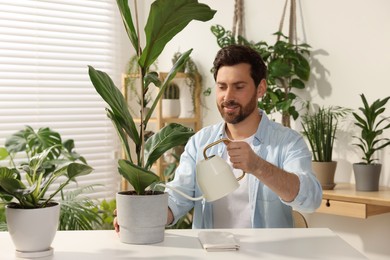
320 130
47 159
165 20
371 128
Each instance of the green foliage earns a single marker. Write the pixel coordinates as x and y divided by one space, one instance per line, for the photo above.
106 211
77 211
3 224
320 130
172 91
371 128
166 18
288 69
46 160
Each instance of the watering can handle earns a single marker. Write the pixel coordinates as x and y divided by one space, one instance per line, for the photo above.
226 141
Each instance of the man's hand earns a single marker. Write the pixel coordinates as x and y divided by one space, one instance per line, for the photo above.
242 156
116 225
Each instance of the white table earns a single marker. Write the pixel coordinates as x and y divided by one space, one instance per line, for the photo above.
311 243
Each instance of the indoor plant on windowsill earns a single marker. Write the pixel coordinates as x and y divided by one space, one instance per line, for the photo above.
367 172
320 130
29 211
166 19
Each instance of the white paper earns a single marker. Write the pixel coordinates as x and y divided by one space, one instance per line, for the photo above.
218 241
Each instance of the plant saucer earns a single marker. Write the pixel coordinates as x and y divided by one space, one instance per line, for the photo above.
36 254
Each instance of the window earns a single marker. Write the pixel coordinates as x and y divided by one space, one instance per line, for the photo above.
45 48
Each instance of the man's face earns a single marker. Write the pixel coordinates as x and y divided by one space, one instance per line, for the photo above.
236 93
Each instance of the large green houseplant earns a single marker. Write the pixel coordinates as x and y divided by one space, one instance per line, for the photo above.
166 18
288 68
320 130
369 141
26 180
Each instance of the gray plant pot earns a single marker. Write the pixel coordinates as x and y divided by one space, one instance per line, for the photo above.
367 176
142 218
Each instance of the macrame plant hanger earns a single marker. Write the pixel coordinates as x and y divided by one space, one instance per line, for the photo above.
292 31
238 20
292 39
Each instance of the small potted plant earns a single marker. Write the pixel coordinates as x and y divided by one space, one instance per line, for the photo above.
26 186
171 101
142 212
372 127
320 130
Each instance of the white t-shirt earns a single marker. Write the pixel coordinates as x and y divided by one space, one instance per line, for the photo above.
233 210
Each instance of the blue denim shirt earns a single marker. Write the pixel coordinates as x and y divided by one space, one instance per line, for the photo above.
276 144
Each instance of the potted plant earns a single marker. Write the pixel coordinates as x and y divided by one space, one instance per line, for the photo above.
320 130
371 126
26 182
193 80
171 101
166 18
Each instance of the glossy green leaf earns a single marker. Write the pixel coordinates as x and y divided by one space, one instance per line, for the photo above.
115 99
127 19
170 136
166 19
138 177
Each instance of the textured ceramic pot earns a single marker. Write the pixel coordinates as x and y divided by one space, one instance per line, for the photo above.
33 230
142 218
367 176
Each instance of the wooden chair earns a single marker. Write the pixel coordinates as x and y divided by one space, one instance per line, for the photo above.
299 220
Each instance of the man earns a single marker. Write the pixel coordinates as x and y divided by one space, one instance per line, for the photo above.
276 159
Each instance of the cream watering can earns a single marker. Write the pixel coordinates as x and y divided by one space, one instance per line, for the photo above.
214 176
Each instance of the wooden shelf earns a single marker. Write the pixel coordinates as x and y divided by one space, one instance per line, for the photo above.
344 200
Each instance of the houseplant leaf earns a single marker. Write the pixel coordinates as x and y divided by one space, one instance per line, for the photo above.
170 136
166 19
114 98
138 177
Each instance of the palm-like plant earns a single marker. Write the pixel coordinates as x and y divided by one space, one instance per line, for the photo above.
320 130
165 20
371 128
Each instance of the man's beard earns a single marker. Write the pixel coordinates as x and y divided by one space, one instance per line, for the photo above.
241 114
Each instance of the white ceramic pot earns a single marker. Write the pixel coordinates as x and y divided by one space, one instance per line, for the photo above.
33 230
142 218
170 108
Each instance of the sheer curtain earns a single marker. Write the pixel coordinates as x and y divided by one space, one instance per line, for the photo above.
45 47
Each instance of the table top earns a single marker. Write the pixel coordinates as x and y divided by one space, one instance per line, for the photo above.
347 192
294 243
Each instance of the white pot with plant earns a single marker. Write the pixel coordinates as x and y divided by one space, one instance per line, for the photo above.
171 101
32 215
367 172
320 130
166 19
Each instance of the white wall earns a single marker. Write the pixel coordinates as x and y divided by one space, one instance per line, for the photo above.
350 42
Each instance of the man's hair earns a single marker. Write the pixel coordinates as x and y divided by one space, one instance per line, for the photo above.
236 54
